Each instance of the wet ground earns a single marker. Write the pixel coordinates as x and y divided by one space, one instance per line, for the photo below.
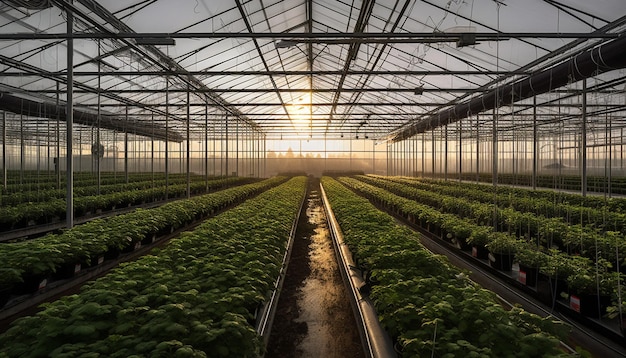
314 316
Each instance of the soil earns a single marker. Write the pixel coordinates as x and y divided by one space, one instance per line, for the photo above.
314 317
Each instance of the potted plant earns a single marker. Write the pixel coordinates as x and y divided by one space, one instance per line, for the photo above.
590 289
530 258
502 249
481 235
8 278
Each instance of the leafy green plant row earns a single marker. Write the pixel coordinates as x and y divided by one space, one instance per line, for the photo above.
19 216
196 297
429 306
604 217
84 179
43 256
80 191
554 195
587 240
583 274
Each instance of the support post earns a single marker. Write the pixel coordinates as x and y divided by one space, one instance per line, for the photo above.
69 197
167 122
445 157
226 134
206 148
583 142
188 154
4 149
460 144
535 145
97 144
126 149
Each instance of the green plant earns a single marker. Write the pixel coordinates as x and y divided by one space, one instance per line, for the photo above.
530 255
599 280
502 243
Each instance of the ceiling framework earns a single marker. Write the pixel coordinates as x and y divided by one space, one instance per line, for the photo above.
388 70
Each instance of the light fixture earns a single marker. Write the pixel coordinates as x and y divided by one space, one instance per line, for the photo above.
285 44
155 41
466 39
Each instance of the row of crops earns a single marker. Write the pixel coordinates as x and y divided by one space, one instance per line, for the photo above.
196 297
429 307
199 295
599 184
578 248
88 188
49 209
18 181
25 265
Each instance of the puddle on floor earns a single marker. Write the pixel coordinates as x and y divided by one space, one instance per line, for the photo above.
314 316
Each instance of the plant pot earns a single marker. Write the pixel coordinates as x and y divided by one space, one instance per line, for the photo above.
480 252
502 262
545 292
132 247
95 261
5 294
66 271
150 238
31 284
112 253
528 275
461 244
593 306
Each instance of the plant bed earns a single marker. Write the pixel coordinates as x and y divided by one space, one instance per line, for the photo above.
420 295
193 297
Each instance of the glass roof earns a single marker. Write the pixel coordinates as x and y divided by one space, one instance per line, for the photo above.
309 69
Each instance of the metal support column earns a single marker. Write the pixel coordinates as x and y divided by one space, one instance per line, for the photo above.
188 154
423 157
583 142
57 164
206 148
152 151
167 122
460 145
69 197
445 156
432 155
98 153
4 149
535 145
477 150
494 148
226 134
22 149
126 149
236 148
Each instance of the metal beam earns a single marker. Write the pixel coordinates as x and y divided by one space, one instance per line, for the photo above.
316 37
273 73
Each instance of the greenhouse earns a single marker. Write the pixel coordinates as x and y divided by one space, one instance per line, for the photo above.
316 178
